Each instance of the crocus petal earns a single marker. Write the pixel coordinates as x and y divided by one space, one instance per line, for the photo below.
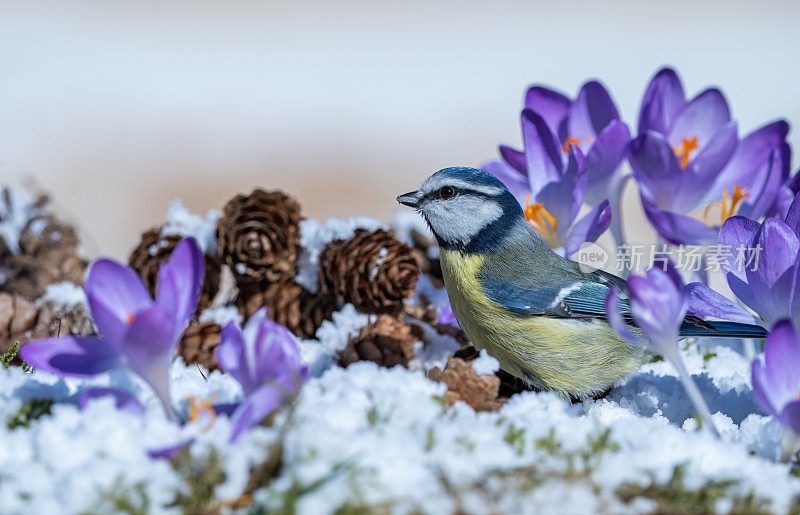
793 215
745 293
658 306
170 451
705 302
677 228
542 151
446 316
589 228
551 105
752 151
180 281
149 347
591 112
123 399
765 189
770 272
790 416
737 233
656 168
662 100
615 320
608 151
705 168
255 408
74 356
761 392
516 182
782 363
563 198
114 293
514 158
231 356
701 117
780 246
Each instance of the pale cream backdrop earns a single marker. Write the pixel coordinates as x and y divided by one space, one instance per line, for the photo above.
116 107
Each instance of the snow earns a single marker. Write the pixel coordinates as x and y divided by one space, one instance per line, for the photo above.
221 315
316 235
15 215
371 436
179 221
65 295
485 364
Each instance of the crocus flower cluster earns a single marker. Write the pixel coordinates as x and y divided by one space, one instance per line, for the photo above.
692 169
141 334
659 303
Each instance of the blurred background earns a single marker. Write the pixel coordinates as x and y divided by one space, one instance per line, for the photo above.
115 108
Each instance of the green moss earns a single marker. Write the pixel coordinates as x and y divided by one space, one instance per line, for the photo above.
8 358
201 477
122 499
675 497
30 411
515 437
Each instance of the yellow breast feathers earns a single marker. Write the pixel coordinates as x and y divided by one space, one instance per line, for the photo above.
572 357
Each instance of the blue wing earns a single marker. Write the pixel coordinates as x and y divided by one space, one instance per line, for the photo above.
573 298
586 299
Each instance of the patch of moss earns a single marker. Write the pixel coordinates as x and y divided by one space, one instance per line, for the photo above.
201 477
122 499
675 497
11 357
30 411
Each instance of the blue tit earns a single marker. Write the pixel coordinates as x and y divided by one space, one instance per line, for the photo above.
538 313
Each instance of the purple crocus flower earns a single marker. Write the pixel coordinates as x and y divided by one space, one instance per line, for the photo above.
592 123
446 316
658 305
776 380
764 267
688 157
265 359
136 331
557 184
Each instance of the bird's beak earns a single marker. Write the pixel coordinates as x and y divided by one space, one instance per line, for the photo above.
410 199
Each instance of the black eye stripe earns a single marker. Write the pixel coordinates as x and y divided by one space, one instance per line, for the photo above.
458 190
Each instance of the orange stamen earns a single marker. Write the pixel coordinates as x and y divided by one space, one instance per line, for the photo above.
571 140
728 205
130 318
544 223
685 149
199 406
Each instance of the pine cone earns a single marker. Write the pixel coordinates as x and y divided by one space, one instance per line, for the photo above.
23 320
48 254
372 270
289 304
388 341
259 237
154 250
464 384
198 343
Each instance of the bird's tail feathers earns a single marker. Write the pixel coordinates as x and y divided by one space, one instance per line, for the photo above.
722 330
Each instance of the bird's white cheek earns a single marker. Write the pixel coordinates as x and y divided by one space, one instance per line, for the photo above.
461 219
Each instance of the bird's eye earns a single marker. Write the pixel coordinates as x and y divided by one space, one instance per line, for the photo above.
447 192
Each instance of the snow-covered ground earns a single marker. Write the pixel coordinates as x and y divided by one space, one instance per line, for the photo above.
381 439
